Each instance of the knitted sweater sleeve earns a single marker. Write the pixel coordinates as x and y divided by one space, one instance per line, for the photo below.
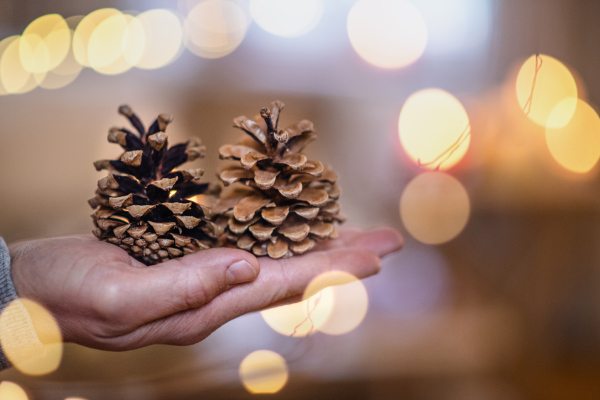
16 327
7 291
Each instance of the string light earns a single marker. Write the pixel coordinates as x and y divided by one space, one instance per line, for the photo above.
434 129
302 318
350 301
542 83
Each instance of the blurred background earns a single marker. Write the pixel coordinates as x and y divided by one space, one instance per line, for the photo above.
469 125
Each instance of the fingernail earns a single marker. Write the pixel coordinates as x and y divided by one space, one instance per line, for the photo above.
240 272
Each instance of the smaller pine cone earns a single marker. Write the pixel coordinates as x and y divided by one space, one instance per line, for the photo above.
143 205
281 203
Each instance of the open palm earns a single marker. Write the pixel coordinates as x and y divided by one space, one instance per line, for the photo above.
103 298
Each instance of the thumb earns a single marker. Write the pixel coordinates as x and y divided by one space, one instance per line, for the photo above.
187 282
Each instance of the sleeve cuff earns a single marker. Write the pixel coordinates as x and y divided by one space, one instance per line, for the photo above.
16 327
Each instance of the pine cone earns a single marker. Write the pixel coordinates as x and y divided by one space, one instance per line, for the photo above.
143 204
288 202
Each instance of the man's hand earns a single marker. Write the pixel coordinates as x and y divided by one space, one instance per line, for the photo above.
103 298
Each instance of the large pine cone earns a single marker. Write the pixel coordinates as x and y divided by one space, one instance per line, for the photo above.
143 204
288 202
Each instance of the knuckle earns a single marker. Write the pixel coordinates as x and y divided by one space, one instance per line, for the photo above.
196 290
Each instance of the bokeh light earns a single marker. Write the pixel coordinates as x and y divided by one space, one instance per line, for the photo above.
84 31
302 318
288 18
215 28
3 46
116 44
539 92
350 301
263 371
455 25
387 33
44 43
163 38
65 73
434 207
11 391
575 146
14 77
434 129
30 356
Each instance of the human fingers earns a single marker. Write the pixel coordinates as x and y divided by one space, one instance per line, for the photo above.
135 296
278 280
381 241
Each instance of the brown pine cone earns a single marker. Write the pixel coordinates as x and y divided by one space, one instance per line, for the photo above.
143 204
286 202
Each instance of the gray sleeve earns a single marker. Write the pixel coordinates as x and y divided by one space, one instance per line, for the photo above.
7 290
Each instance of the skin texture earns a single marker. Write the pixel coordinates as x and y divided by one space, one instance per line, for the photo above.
104 299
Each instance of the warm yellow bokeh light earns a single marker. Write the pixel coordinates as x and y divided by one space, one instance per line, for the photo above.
350 301
553 83
62 75
116 44
215 28
84 31
434 207
387 33
575 146
302 318
14 77
134 41
3 45
434 128
37 352
11 391
263 371
44 43
164 38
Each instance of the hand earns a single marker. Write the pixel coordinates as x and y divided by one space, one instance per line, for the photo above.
103 298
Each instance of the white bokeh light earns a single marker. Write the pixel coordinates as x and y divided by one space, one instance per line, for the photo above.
215 28
287 18
387 33
163 33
